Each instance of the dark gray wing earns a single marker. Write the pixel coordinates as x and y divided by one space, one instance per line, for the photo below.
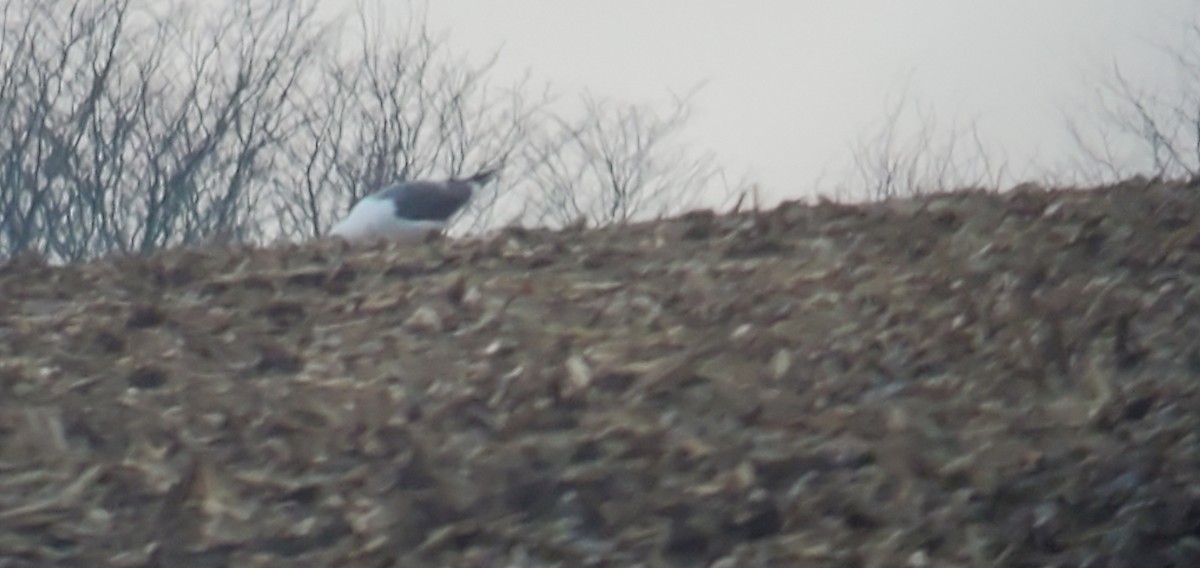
428 200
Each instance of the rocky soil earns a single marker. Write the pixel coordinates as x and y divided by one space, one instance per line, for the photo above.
968 379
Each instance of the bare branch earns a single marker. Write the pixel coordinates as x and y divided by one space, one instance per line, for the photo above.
616 163
1152 130
904 156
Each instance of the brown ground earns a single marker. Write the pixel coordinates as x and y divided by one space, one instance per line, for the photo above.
963 380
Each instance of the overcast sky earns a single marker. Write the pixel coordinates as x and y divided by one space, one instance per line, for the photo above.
791 83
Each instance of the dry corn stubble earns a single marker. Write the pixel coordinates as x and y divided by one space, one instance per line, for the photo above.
958 380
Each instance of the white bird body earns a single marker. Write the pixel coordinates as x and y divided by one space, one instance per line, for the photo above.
373 219
408 211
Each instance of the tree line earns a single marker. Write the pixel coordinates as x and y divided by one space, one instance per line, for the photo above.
129 126
132 125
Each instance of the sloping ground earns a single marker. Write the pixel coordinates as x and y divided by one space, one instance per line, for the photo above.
962 380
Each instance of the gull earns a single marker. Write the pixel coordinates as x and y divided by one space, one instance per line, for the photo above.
409 211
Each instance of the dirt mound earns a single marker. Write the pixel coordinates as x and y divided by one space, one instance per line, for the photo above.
961 380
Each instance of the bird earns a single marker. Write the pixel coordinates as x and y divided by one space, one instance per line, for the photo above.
408 211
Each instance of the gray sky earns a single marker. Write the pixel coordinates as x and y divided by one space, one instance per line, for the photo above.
792 83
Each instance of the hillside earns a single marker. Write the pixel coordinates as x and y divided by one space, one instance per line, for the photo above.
960 380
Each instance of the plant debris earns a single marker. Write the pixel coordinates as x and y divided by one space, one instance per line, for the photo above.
968 379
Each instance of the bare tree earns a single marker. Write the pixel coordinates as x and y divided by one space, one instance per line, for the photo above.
223 126
132 131
909 153
46 102
1140 129
614 163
